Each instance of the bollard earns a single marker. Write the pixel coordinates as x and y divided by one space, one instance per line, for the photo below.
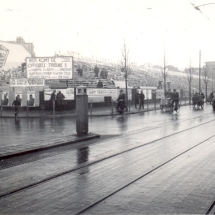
81 110
27 108
147 104
112 107
53 107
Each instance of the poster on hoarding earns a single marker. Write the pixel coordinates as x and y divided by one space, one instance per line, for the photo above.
24 82
18 94
31 98
49 67
5 98
102 92
68 93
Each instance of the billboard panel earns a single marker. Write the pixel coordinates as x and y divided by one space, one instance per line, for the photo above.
31 98
24 82
68 93
5 98
49 67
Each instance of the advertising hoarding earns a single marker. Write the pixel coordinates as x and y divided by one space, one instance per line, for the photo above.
68 93
24 82
49 67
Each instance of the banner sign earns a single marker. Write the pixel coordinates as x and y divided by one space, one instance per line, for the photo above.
49 67
68 93
102 92
3 55
24 82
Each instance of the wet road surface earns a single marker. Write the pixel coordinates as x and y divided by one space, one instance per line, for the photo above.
117 162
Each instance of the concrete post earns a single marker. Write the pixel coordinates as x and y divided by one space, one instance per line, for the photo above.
53 107
81 110
27 108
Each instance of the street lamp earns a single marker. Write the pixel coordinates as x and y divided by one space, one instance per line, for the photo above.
199 71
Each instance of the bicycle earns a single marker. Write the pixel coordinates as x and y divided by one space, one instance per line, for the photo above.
175 107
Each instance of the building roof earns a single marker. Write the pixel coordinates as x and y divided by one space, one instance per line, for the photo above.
16 56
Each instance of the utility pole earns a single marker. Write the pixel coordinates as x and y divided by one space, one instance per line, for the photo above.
199 71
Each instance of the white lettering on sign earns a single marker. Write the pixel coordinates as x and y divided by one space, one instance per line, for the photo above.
101 92
49 67
23 82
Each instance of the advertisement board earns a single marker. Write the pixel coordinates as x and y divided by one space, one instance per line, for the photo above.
24 82
102 92
68 93
31 98
49 67
5 98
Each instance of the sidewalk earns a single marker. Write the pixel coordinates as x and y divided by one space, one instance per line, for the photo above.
31 136
102 111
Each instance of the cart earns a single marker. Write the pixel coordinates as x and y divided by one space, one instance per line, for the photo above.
197 101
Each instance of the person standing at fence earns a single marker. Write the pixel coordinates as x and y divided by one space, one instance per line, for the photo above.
52 99
17 103
60 101
141 100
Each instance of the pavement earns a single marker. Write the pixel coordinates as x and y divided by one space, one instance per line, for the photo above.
17 142
102 111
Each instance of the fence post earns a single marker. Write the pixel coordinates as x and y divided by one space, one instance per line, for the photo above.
112 107
27 108
53 107
91 107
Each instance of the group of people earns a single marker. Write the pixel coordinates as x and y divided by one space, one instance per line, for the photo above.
59 100
139 99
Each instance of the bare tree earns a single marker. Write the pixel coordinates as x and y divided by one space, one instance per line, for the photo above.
189 79
206 80
126 68
164 74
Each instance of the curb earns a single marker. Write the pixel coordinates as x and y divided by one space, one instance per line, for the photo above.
94 115
83 138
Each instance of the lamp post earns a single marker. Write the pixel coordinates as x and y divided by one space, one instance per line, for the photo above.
199 71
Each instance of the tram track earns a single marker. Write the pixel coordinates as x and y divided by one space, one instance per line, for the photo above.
47 179
87 208
65 148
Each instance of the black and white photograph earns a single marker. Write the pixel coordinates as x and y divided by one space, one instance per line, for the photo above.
107 107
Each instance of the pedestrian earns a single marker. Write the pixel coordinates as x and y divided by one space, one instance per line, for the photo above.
136 98
99 84
211 96
60 101
96 71
52 99
17 103
141 100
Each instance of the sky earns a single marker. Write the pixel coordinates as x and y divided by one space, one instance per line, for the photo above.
99 28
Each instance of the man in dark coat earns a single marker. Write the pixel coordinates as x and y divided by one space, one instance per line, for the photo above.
96 71
17 104
99 84
141 101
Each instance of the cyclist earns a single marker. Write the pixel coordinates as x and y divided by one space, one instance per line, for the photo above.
121 100
175 99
